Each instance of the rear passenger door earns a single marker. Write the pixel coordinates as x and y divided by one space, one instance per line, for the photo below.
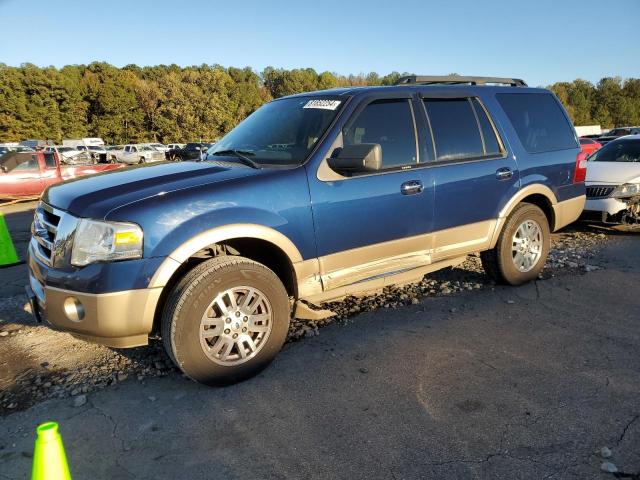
473 173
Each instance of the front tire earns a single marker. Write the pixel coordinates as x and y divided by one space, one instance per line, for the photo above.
225 320
522 247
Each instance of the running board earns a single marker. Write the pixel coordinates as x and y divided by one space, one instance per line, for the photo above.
377 283
303 311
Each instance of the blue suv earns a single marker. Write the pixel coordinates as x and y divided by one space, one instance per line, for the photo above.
311 198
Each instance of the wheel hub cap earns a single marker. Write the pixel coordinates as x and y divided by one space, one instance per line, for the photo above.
527 245
236 325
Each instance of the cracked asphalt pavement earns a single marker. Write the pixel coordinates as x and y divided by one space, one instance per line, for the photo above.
527 382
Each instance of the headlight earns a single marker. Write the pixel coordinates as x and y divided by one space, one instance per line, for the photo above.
97 241
627 190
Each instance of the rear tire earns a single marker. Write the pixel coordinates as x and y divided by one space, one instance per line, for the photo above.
522 247
209 332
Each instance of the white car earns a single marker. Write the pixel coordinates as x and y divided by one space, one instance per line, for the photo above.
67 154
96 152
172 146
133 154
613 182
158 146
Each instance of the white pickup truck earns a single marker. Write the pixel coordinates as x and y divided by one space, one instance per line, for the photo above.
132 154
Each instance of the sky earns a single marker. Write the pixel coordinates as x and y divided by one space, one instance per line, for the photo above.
540 41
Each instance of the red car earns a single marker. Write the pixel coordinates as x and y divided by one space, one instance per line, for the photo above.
589 145
29 173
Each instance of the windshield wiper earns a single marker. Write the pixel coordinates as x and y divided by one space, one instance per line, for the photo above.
240 155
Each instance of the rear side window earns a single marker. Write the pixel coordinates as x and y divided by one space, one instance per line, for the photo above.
390 124
539 121
461 129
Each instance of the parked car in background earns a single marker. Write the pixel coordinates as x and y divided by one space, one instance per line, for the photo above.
14 148
29 173
68 155
191 151
132 154
113 151
589 145
71 142
613 182
617 133
97 152
34 144
311 198
157 146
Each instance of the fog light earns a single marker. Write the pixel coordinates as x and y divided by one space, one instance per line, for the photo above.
73 309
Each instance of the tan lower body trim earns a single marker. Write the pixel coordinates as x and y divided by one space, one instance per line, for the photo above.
568 211
378 283
119 319
374 265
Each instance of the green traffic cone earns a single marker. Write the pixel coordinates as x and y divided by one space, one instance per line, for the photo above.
8 255
49 460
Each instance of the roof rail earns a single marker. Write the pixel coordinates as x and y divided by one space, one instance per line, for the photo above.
458 80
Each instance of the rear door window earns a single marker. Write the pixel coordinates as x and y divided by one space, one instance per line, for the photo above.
388 123
489 138
461 129
539 121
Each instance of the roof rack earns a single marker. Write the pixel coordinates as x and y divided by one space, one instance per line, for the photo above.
458 80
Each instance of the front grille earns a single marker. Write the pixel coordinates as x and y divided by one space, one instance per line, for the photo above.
44 230
599 191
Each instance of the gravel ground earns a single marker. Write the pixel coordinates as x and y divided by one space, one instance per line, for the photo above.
36 364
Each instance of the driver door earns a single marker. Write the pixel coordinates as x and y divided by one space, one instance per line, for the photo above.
377 223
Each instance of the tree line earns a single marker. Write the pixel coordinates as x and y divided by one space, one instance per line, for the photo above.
168 103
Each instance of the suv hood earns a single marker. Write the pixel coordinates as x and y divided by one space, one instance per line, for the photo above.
613 172
96 195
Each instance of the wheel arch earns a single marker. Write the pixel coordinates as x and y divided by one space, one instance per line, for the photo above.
256 242
536 194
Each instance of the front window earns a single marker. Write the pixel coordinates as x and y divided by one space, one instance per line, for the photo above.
282 132
618 151
389 123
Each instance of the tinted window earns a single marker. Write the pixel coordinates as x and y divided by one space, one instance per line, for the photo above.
585 141
539 121
491 145
618 151
49 160
390 124
455 128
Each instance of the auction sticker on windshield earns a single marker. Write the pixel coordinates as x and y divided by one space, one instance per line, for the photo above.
323 104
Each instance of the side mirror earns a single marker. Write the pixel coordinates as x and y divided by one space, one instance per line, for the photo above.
361 158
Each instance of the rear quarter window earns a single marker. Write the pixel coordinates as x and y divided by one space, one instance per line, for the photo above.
539 121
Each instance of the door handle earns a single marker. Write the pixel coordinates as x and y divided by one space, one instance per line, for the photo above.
504 173
411 187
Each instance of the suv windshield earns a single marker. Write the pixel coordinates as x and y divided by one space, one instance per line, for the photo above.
627 150
282 132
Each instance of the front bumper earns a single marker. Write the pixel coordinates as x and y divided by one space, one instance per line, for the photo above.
118 319
609 205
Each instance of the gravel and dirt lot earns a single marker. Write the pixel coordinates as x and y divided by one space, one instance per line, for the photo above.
453 377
